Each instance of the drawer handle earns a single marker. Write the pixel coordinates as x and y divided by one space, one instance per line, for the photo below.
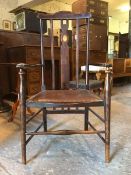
102 13
92 19
102 21
92 10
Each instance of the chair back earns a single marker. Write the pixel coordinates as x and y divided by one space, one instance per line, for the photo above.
65 50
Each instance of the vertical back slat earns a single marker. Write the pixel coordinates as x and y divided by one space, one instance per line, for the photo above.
64 52
77 53
87 53
42 56
52 55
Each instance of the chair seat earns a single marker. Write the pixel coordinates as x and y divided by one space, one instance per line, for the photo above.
65 97
93 84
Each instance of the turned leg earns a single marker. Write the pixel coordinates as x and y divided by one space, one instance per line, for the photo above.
107 109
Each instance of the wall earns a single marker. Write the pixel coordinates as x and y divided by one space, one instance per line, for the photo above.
116 26
52 7
5 7
21 2
124 27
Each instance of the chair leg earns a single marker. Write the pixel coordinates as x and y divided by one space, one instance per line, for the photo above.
107 135
23 135
45 119
22 95
86 118
107 109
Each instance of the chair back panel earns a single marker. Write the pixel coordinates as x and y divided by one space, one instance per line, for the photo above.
64 18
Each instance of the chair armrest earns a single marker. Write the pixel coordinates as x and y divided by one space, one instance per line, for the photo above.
8 64
28 66
102 64
97 67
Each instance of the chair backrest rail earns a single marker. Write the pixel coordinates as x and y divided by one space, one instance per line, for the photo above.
42 55
63 19
87 52
52 55
77 53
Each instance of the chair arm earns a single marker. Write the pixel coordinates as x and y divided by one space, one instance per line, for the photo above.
8 64
28 66
102 64
97 67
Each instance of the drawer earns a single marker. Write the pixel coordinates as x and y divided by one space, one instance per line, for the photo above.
93 20
91 2
102 5
33 88
93 10
103 12
102 21
33 76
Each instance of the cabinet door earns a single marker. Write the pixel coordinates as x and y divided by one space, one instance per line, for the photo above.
94 37
98 37
103 37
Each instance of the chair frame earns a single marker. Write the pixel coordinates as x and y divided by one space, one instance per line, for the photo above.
44 106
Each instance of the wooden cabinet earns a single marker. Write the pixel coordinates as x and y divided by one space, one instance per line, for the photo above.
31 55
123 45
98 9
4 83
98 40
97 37
20 47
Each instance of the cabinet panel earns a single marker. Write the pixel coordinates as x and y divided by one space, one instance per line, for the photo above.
33 88
97 37
33 76
102 4
32 56
29 55
33 53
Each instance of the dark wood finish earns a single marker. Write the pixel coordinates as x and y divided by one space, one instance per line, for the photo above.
47 99
4 83
98 9
98 28
129 30
124 68
66 96
11 40
4 107
31 55
98 37
123 45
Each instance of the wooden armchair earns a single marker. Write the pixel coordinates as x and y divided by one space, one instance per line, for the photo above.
65 99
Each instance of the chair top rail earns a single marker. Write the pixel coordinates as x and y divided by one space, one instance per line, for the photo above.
64 15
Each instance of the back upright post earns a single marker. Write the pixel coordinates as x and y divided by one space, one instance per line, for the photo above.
42 56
